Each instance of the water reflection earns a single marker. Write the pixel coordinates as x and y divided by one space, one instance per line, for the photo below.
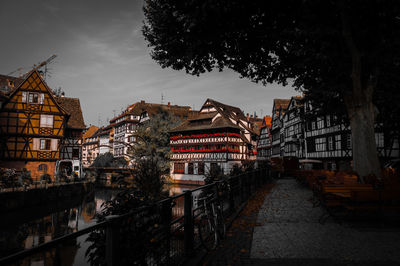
55 221
31 227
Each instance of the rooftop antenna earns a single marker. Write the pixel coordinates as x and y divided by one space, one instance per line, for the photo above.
162 98
44 64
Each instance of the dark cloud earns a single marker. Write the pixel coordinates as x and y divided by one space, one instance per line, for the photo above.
104 60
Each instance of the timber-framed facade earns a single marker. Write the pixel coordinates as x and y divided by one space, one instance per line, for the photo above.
32 127
219 135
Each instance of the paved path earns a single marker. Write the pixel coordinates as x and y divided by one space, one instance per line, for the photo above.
289 234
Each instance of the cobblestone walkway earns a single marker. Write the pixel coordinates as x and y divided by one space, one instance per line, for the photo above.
289 234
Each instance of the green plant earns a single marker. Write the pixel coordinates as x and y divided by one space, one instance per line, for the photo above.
25 178
9 177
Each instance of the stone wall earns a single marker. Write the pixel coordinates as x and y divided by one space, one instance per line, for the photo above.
32 166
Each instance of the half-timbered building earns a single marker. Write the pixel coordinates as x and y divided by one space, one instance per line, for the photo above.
90 146
293 129
264 143
104 140
71 144
32 126
219 135
277 130
136 114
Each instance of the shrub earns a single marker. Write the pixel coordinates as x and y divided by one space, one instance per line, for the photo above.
46 178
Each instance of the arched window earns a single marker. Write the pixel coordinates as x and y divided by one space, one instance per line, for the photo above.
42 167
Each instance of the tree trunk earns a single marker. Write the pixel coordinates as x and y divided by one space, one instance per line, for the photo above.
360 108
365 155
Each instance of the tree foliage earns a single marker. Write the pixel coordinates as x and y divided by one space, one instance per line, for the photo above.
143 232
152 140
108 160
344 55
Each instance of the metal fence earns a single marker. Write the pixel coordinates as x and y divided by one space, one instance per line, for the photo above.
162 234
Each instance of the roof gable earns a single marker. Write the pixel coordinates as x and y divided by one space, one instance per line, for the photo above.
33 83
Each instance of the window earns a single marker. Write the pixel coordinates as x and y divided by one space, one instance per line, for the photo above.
45 144
46 121
214 167
42 167
179 168
328 121
338 140
33 97
313 125
320 144
200 169
190 168
75 153
320 123
348 141
379 139
330 143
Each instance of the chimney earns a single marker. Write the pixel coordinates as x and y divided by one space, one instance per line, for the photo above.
62 94
251 116
169 104
247 116
142 101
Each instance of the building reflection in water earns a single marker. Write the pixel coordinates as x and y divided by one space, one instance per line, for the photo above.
25 230
16 236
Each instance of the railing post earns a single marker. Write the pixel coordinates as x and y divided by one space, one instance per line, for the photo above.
112 242
231 197
248 182
166 214
241 187
188 224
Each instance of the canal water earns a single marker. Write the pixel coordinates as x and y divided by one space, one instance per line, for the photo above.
24 229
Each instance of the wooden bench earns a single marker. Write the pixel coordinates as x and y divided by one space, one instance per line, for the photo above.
336 194
376 200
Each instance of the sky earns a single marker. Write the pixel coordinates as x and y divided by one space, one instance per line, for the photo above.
103 59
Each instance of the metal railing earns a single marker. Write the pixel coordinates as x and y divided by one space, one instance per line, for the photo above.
173 222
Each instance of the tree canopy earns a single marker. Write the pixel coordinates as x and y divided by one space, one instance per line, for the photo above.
339 53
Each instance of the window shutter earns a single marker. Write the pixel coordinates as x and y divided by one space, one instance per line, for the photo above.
43 120
41 98
50 121
54 145
24 96
35 144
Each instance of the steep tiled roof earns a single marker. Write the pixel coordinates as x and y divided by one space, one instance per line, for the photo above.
183 112
210 120
256 124
193 125
89 132
281 103
267 121
73 107
9 83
